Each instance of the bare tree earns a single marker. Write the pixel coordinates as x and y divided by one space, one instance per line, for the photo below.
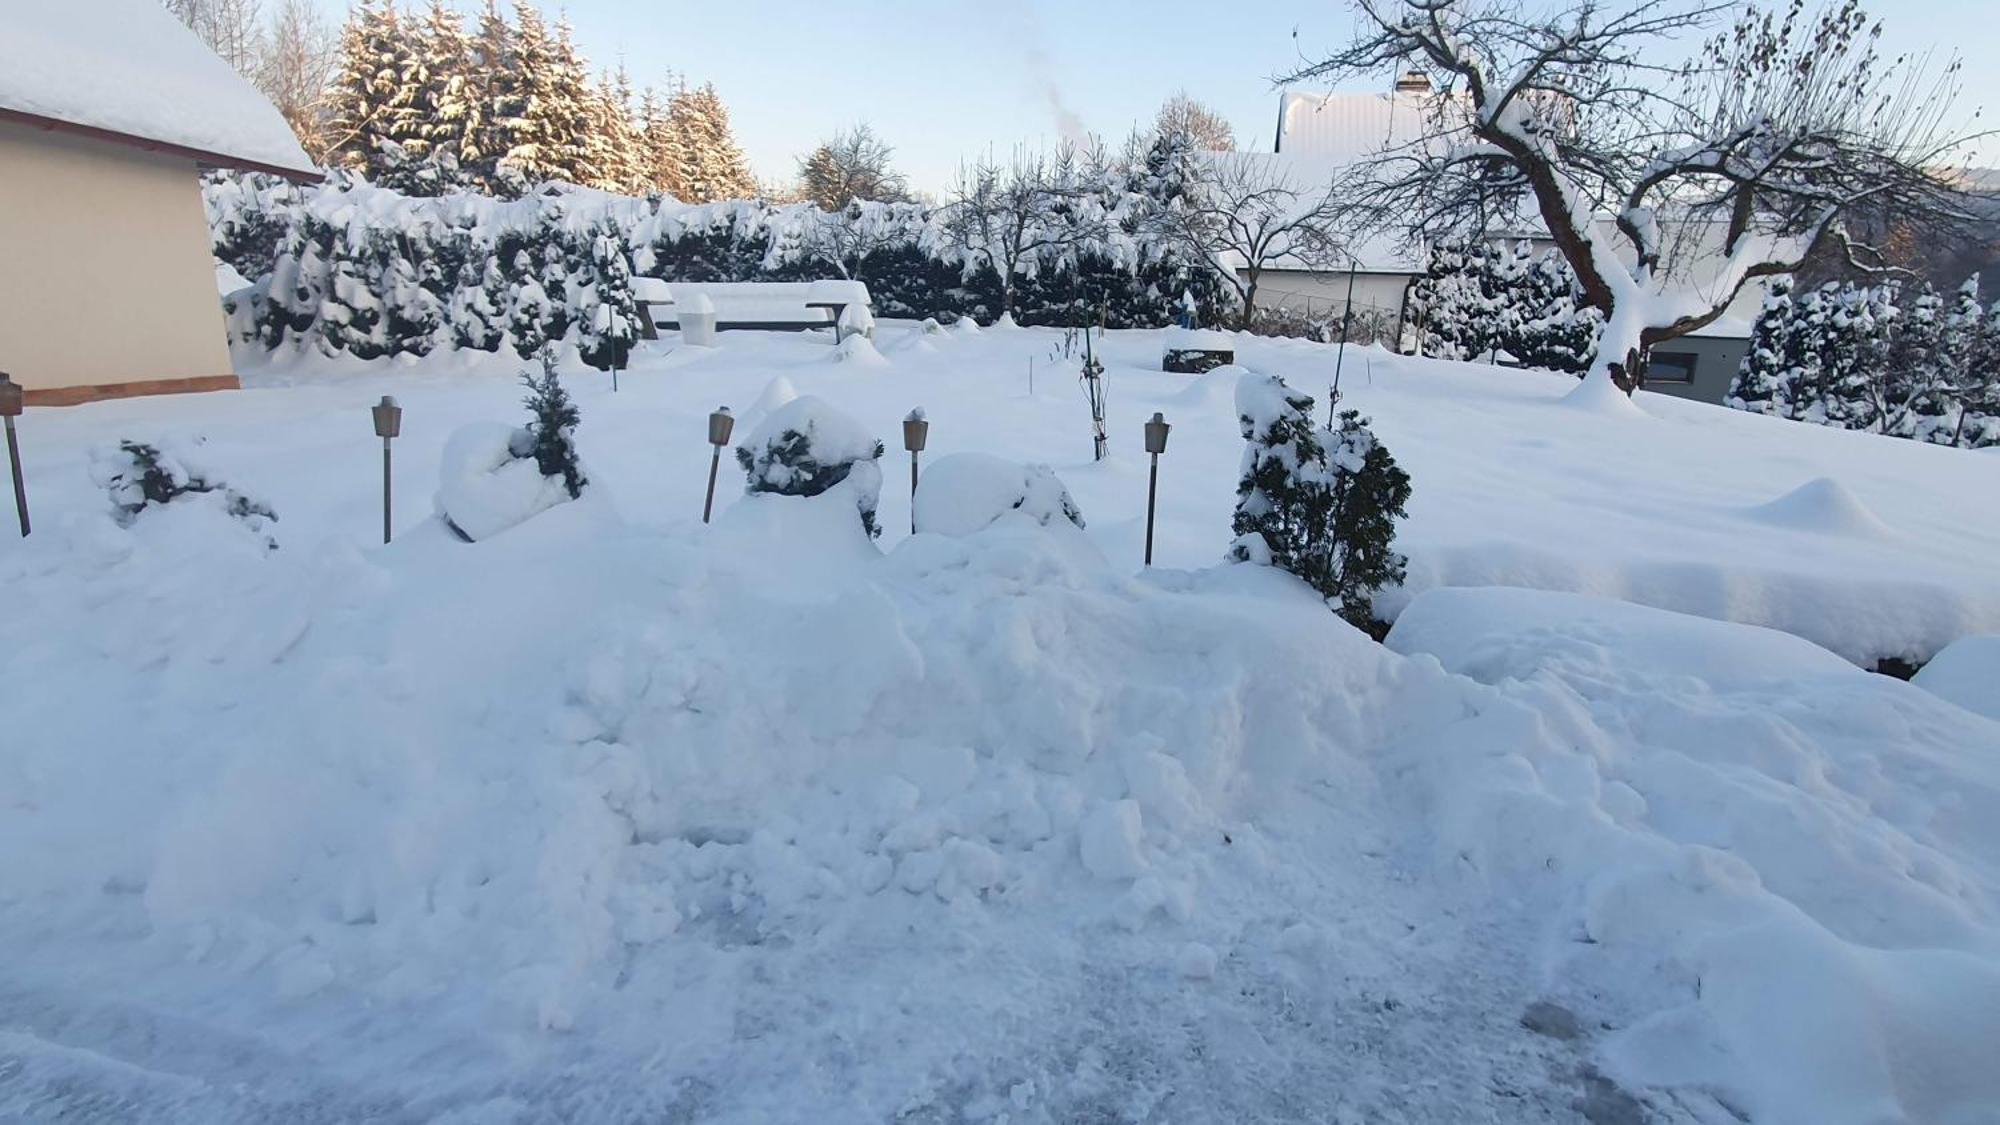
229 27
1248 212
1013 218
1204 129
849 166
296 65
1783 134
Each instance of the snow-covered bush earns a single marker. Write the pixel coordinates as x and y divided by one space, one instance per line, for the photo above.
960 493
140 475
1320 503
552 432
806 447
1496 298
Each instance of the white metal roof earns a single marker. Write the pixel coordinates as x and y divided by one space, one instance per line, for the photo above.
129 67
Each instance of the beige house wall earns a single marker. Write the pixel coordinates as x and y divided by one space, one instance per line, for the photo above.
107 285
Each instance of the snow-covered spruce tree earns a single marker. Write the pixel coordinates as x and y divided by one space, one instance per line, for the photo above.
1282 501
713 166
1912 385
1760 385
1369 494
607 319
529 308
352 317
806 447
479 306
1319 503
415 317
552 430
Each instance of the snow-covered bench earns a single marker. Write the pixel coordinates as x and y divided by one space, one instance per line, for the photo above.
778 306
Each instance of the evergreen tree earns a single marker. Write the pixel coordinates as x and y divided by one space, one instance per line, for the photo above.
1369 494
1913 382
713 166
529 308
479 306
415 317
352 316
662 153
1319 503
1761 384
438 75
612 150
608 319
493 98
369 101
552 431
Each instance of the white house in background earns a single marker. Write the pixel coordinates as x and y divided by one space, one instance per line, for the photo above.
109 109
1320 134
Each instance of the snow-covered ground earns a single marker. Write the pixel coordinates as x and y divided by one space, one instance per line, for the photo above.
615 817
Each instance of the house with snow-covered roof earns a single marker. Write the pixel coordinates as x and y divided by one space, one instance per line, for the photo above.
1321 134
109 111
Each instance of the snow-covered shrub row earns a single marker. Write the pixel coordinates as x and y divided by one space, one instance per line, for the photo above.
1888 359
1500 298
346 266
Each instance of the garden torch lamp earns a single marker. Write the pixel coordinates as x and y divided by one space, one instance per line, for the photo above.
720 424
11 399
1156 444
916 431
388 424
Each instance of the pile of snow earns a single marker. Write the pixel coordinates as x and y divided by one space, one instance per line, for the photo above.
1967 673
859 351
775 394
1196 340
630 817
1773 871
961 493
1822 505
488 482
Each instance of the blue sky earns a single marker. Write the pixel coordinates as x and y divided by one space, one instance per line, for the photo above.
943 80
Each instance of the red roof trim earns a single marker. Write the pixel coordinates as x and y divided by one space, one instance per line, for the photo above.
199 156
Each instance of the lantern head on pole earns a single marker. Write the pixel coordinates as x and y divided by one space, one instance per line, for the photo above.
11 396
388 418
916 431
720 425
1156 434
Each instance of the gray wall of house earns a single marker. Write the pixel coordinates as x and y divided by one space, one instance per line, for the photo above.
1716 359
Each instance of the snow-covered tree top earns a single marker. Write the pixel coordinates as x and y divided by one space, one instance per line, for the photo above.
129 67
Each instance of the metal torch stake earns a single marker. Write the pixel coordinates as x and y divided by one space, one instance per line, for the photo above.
913 491
20 486
1152 491
714 463
385 490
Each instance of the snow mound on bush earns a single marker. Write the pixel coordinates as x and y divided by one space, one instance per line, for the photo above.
1597 394
776 393
965 326
1211 389
1966 672
833 434
1822 505
860 351
487 484
962 493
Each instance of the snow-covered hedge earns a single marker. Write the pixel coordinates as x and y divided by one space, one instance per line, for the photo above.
1889 358
349 267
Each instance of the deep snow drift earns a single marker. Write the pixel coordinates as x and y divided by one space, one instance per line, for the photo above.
615 817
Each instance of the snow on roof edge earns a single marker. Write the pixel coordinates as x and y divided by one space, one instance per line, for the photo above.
127 71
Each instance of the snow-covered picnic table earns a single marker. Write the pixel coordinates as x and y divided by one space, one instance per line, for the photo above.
779 306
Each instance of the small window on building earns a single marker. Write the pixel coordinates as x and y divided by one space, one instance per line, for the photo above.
1670 367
